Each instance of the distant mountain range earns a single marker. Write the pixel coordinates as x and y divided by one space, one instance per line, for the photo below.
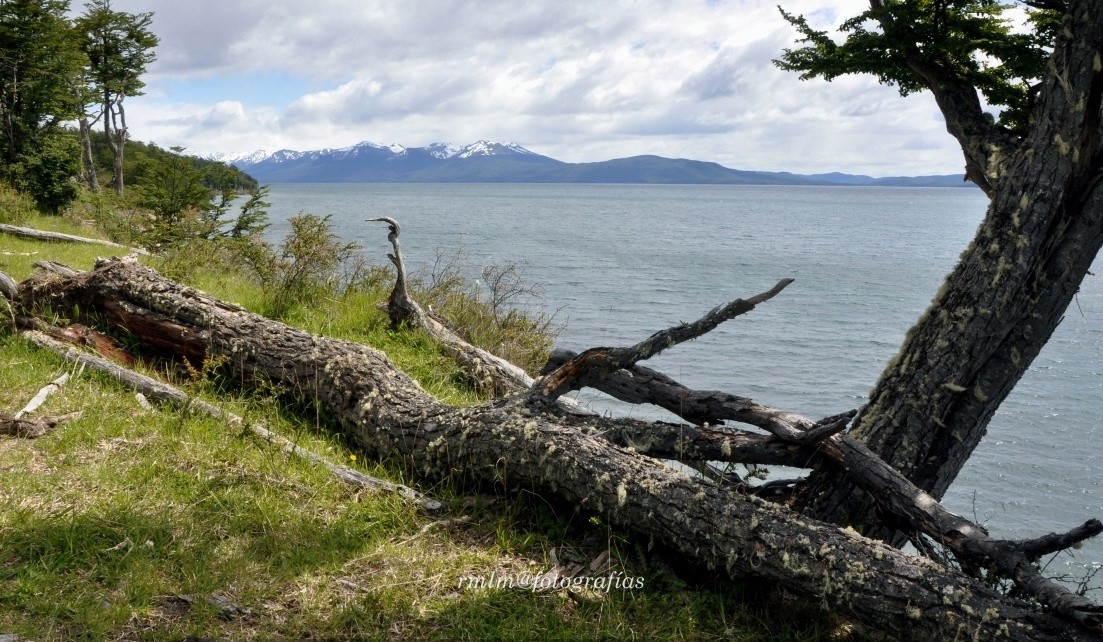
489 162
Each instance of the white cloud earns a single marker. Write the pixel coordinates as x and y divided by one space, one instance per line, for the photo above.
578 81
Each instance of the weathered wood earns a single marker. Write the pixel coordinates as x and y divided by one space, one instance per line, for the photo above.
486 369
165 393
34 428
79 335
7 287
54 267
43 235
598 363
525 443
895 495
36 402
637 384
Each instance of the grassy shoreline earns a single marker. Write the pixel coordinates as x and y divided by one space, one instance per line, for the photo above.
123 524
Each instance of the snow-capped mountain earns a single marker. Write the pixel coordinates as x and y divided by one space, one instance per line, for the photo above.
485 148
483 160
492 162
240 159
440 151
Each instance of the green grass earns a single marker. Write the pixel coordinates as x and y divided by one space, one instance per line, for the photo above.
107 521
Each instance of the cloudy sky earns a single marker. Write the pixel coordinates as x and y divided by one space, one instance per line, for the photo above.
575 80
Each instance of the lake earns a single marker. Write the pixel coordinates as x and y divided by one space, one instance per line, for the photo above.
619 262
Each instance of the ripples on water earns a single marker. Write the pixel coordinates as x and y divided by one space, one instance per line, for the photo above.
621 262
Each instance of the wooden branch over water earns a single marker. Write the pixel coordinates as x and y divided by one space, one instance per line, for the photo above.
614 371
596 364
637 384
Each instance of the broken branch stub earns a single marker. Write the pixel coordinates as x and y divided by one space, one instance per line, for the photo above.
401 307
488 370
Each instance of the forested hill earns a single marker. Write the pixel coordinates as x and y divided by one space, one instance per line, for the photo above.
488 162
144 159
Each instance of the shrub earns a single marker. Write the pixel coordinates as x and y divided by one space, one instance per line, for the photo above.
48 173
308 264
313 267
15 206
113 215
502 312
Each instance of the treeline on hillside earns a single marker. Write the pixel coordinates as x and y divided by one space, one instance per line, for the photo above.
143 159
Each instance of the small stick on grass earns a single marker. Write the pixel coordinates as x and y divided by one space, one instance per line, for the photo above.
36 402
17 426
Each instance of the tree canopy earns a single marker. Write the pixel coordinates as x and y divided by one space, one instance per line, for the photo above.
910 44
38 60
118 47
983 60
56 71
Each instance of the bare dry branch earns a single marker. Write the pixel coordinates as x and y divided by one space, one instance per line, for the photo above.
36 402
596 364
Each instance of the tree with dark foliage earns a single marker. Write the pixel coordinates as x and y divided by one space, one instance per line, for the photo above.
1025 105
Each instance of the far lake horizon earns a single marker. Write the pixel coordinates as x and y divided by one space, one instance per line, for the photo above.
619 262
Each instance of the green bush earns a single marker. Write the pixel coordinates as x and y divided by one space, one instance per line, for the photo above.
48 172
115 216
501 312
15 206
313 273
308 264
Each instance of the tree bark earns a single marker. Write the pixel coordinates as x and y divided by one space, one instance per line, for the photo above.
88 161
524 442
1006 296
114 129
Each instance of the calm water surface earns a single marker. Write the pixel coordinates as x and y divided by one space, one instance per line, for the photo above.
620 262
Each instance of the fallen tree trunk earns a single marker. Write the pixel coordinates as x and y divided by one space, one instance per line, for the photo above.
900 502
172 395
524 442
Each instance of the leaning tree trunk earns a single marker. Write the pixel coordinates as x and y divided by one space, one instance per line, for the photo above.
1006 296
524 442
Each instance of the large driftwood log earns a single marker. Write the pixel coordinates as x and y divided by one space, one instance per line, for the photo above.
524 442
900 501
